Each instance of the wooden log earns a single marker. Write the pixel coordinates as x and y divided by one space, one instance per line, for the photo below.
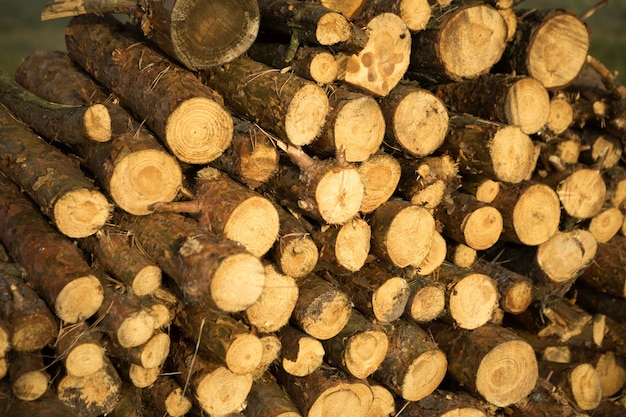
343 249
615 180
123 318
55 267
296 115
560 115
300 354
151 354
436 255
268 399
461 255
414 13
130 403
167 397
580 382
384 404
137 375
546 400
427 299
231 210
459 42
477 357
562 152
541 29
592 299
27 375
606 224
480 187
414 366
189 119
217 272
162 305
606 273
294 252
81 349
429 180
515 290
447 403
600 148
380 175
271 352
192 32
48 405
28 323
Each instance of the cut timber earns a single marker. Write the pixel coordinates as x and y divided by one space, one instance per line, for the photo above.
600 148
52 179
606 224
491 361
414 366
384 404
122 316
167 397
231 210
29 323
515 100
428 181
294 252
380 175
600 302
580 382
216 271
343 249
546 399
289 106
57 122
359 348
606 273
151 354
382 63
271 353
185 114
130 402
436 255
137 375
53 264
80 348
582 193
549 45
615 180
402 232
459 42
516 290
193 32
416 119
414 13
461 255
561 114
347 8
268 399
300 354
447 404
498 151
27 375
480 187
355 125
427 299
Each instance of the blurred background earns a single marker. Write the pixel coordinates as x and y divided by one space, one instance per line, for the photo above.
22 31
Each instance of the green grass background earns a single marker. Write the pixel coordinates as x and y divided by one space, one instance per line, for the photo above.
22 31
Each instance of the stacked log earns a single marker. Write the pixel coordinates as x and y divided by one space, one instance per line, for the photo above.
336 208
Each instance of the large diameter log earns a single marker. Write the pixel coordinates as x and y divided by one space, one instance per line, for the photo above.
53 264
289 106
491 361
185 114
380 175
216 271
268 399
606 272
192 32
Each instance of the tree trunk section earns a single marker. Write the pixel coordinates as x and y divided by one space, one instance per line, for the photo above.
300 354
414 13
343 249
447 403
268 399
580 382
606 272
429 180
380 175
81 349
427 299
516 290
294 252
436 255
27 375
167 397
151 354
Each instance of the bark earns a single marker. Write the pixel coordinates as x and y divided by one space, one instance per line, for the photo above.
546 400
300 354
600 148
429 180
53 265
207 269
294 252
441 403
515 290
291 107
343 249
129 404
591 299
615 180
380 175
81 349
186 115
268 399
427 299
562 152
415 14
151 354
167 397
29 380
606 272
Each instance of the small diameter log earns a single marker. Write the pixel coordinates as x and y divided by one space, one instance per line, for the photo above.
53 264
322 310
217 272
606 224
615 180
300 354
467 220
384 404
601 148
592 299
414 13
446 404
268 399
561 152
359 348
52 179
497 151
429 180
27 375
580 382
348 8
515 100
414 366
416 119
192 32
382 63
491 361
402 232
327 392
167 397
459 42
57 122
343 249
29 325
231 210
546 399
436 255
222 338
606 272
480 187
289 106
380 175
516 290
81 349
189 119
539 31
531 212
137 375
294 252
427 299
162 306
560 115
376 292
461 255
271 353
151 354
355 125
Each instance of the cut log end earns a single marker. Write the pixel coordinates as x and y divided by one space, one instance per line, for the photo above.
332 28
583 193
155 351
85 359
409 236
80 299
238 282
81 212
606 224
359 128
424 375
222 392
415 13
339 195
561 115
380 175
512 153
390 299
310 356
324 68
356 397
142 377
585 386
427 304
365 352
298 255
30 333
352 245
436 255
536 215
518 298
483 228
527 105
97 123
243 225
147 280
176 404
306 115
199 130
244 354
30 386
384 403
136 329
326 316
473 301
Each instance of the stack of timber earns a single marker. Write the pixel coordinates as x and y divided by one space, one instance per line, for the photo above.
313 208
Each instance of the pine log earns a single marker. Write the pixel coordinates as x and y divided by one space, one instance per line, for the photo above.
380 175
81 349
123 318
192 32
384 404
615 180
614 337
427 299
606 224
294 252
606 272
460 42
53 265
28 323
190 119
28 376
289 106
560 115
300 354
343 249
436 255
429 180
48 405
137 375
347 8
491 361
129 403
600 148
546 400
207 269
162 305
414 13
231 210
268 399
151 354
550 45
580 382
515 100
271 352
414 366
167 397
461 255
443 403
515 290
592 299
562 152
481 188
498 151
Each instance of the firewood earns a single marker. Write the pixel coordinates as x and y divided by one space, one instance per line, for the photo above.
384 404
359 348
271 352
28 376
151 354
427 299
56 268
294 252
81 349
515 290
380 175
300 354
343 249
167 397
580 382
28 323
231 210
414 366
217 272
268 399
414 13
289 106
137 375
441 403
162 305
429 180
193 33
476 356
190 119
459 42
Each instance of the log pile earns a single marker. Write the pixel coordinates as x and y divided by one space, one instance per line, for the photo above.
403 208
